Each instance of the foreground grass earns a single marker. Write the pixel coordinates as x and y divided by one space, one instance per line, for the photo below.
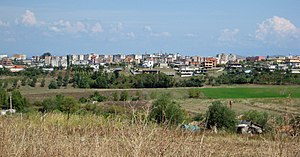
90 135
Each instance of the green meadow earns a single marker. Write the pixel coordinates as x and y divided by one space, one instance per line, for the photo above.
252 92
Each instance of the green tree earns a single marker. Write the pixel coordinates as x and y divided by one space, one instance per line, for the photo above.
15 83
53 85
46 54
43 82
69 105
97 97
166 111
4 98
33 82
23 81
82 80
101 82
220 116
19 102
49 105
5 84
66 79
59 79
260 118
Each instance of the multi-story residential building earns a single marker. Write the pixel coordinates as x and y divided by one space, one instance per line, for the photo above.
73 57
129 58
209 62
225 58
293 62
36 59
232 58
222 58
6 61
80 57
255 58
277 59
105 59
138 58
118 58
47 60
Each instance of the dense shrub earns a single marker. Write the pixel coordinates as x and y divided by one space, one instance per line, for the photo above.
194 93
98 97
115 96
221 116
165 110
60 103
53 85
19 102
260 118
124 95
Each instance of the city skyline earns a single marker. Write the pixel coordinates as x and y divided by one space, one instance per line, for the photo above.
186 27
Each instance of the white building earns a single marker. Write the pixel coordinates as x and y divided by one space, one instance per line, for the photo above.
148 64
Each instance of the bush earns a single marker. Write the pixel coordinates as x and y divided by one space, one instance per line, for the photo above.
42 83
257 117
97 97
19 102
53 85
124 96
138 96
194 93
220 116
166 111
83 100
115 96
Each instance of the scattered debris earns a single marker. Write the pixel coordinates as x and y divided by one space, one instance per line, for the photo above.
9 111
189 127
193 126
247 127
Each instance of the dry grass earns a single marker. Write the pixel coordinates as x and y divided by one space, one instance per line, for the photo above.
90 135
271 105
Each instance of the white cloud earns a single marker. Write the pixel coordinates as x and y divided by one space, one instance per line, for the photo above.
97 28
228 35
276 29
67 26
116 28
190 35
29 19
148 28
4 24
129 35
161 34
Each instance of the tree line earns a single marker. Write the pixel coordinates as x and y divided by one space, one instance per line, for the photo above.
86 77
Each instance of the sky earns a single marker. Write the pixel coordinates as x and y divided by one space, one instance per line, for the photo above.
189 27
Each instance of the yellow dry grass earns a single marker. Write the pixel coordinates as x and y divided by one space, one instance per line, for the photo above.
91 135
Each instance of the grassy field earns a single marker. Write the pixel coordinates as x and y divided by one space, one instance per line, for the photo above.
252 92
95 135
90 135
274 99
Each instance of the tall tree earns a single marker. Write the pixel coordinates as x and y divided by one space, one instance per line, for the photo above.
4 98
19 102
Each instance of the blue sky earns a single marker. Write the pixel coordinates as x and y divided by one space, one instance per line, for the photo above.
190 27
